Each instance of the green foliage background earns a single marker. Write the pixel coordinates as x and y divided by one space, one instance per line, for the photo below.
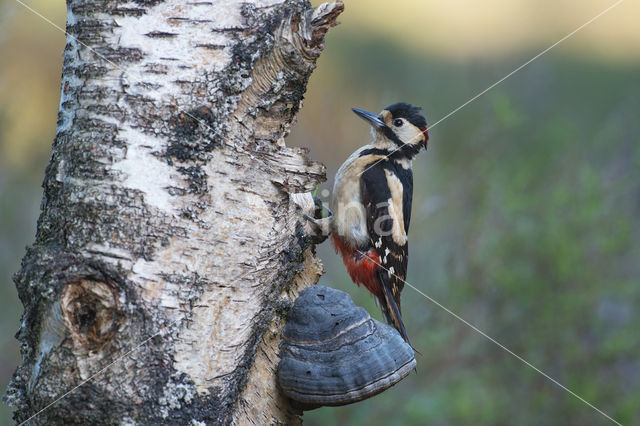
525 219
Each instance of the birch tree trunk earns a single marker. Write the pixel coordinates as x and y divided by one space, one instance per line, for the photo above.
170 239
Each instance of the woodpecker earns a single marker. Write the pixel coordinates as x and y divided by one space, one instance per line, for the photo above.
371 205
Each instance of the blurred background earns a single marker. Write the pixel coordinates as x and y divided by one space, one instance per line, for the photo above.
526 205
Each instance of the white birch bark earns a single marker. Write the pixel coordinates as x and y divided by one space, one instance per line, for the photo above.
168 208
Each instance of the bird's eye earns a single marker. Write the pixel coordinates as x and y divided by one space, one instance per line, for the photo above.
397 122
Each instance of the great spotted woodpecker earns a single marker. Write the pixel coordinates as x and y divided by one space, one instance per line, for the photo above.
371 205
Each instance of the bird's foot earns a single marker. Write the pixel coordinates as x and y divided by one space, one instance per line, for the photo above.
319 226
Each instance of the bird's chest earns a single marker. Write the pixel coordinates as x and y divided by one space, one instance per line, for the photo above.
349 215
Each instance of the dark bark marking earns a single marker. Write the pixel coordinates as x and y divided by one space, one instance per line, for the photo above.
160 34
196 178
226 29
148 3
211 46
187 143
128 11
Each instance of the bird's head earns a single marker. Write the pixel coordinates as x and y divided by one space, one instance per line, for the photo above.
400 126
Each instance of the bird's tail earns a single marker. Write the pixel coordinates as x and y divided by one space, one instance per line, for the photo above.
391 308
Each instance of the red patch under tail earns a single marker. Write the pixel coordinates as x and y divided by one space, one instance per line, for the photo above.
360 266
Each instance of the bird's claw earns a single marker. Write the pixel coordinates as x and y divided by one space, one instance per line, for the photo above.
319 227
317 213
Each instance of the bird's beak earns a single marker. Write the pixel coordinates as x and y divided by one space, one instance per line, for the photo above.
375 120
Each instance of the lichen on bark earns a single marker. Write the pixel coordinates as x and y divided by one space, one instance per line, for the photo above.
171 208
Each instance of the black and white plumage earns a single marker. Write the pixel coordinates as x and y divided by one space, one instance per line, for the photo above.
371 205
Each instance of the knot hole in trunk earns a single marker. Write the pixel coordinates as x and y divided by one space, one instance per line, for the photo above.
90 309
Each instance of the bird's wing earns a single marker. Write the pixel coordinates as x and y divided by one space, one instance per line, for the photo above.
382 194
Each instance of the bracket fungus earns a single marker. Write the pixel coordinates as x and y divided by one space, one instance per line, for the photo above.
334 353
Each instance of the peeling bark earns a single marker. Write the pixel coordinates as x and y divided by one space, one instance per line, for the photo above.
171 208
